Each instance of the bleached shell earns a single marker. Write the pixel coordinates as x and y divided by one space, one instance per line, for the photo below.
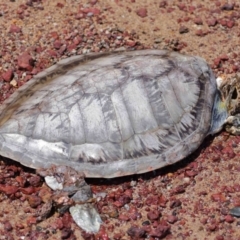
110 115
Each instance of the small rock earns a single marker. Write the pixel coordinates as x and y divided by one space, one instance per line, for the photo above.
146 223
175 203
110 210
58 224
66 233
216 62
124 217
191 173
57 44
154 215
14 83
142 12
183 29
218 197
44 211
25 62
229 219
219 237
212 227
15 29
6 87
122 200
212 22
28 190
179 189
230 24
201 33
198 21
7 226
235 211
34 201
91 11
60 5
130 43
136 232
163 4
160 232
93 2
172 219
67 220
8 75
162 201
182 6
227 7
8 189
62 49
35 181
224 211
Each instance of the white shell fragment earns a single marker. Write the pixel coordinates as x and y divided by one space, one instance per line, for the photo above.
109 115
86 217
52 182
219 81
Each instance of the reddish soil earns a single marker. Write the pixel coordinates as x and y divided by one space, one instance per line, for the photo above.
190 200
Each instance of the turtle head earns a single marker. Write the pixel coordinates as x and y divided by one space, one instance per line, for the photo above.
226 109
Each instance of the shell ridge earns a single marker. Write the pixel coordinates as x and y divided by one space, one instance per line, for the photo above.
147 94
124 101
169 112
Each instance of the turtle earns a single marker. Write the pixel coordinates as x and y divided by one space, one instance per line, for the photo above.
106 115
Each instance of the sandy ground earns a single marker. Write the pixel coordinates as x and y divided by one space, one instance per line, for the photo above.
190 200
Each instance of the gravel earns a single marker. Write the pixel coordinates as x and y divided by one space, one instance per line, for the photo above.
197 198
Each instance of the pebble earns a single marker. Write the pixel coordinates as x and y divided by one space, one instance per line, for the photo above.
175 203
28 190
91 11
163 4
15 32
229 219
25 62
44 210
66 233
211 22
57 44
235 211
172 219
160 231
230 24
34 201
198 21
8 189
142 12
8 75
201 32
227 7
153 215
218 197
146 223
136 232
183 29
15 29
14 83
35 181
124 217
8 226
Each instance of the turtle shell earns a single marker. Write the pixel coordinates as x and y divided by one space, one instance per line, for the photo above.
109 115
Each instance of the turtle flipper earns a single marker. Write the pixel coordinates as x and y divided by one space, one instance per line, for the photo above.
233 124
72 191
